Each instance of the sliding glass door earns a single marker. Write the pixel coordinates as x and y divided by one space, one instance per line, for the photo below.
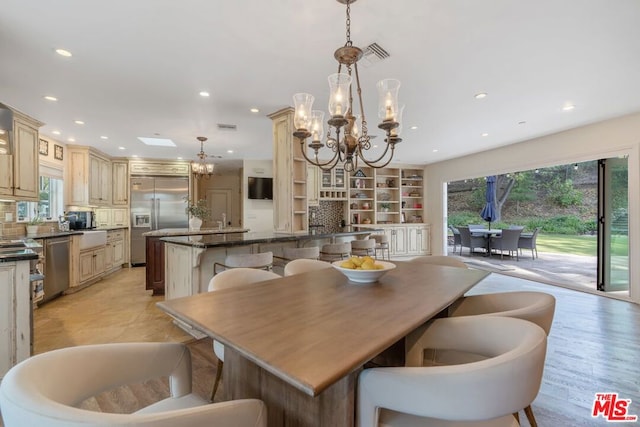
613 225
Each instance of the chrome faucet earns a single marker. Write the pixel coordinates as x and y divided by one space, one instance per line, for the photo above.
224 220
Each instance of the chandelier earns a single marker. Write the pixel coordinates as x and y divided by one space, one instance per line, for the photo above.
348 135
200 168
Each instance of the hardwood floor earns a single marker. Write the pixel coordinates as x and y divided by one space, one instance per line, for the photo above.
594 344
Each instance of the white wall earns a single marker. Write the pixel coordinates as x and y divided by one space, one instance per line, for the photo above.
610 138
257 214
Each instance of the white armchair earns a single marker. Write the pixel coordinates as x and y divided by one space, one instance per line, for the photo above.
299 266
44 390
227 279
483 393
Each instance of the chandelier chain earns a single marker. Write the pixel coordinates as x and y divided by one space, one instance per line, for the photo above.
349 42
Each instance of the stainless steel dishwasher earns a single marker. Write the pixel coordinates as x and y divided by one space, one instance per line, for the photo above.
56 266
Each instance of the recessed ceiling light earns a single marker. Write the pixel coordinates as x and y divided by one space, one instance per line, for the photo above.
50 98
63 52
204 94
56 132
179 158
230 151
157 142
104 137
134 155
480 95
435 150
71 139
568 107
254 110
485 134
413 127
121 148
375 145
78 122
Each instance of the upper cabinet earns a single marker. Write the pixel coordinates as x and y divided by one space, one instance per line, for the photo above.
120 182
18 155
290 209
333 184
88 177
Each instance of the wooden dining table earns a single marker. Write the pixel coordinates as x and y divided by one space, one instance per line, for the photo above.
299 342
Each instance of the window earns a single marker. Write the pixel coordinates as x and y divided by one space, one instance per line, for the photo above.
51 204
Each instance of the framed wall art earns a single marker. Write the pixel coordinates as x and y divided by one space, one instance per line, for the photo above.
43 147
58 152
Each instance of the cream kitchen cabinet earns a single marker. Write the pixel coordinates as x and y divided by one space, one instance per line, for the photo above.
15 311
114 251
117 217
88 177
333 184
120 183
99 180
313 192
418 239
19 157
92 263
290 209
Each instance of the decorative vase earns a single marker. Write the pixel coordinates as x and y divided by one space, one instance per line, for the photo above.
32 229
194 224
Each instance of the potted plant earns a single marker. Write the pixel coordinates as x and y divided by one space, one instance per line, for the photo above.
198 211
385 207
34 222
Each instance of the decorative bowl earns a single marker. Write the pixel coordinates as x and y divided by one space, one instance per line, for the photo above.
364 276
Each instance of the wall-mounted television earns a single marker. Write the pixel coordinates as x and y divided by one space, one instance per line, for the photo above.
260 188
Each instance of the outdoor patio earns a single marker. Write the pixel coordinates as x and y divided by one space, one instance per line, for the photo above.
572 271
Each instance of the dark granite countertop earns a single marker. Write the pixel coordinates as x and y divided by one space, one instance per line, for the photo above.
18 250
239 239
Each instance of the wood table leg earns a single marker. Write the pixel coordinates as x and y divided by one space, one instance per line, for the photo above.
286 405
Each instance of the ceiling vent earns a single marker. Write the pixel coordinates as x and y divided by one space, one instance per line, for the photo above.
222 126
373 54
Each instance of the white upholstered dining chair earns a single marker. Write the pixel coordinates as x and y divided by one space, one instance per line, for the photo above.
261 260
335 251
299 266
481 394
45 390
228 279
536 307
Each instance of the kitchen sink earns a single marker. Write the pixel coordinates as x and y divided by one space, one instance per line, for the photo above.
91 239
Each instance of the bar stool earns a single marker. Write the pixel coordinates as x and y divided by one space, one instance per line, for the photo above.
335 251
363 247
382 244
261 261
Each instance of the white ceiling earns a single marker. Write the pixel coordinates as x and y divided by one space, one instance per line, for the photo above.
138 66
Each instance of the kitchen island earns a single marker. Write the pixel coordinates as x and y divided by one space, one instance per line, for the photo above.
154 247
189 259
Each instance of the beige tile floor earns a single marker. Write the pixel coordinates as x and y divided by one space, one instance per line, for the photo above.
116 309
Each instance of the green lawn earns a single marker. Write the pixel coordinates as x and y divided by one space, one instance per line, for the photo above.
579 245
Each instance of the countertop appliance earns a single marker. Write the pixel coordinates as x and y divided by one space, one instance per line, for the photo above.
56 266
156 203
81 220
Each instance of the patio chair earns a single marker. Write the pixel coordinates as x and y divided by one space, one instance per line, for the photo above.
507 241
467 240
527 241
456 237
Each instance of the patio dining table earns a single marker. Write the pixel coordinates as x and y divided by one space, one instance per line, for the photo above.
487 234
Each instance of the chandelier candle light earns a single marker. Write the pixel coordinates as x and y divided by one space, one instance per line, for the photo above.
201 168
345 137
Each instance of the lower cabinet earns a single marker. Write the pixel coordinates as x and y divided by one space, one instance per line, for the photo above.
155 265
114 251
92 263
15 311
406 239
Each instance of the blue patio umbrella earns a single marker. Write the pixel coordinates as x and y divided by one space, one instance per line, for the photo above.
490 211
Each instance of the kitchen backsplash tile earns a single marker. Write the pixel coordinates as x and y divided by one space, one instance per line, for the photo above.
10 228
328 214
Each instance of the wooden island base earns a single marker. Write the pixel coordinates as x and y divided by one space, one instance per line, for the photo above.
287 405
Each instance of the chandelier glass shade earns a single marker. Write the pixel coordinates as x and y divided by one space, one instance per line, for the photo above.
347 135
201 168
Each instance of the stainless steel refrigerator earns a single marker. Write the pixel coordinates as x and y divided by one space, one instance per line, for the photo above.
156 203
